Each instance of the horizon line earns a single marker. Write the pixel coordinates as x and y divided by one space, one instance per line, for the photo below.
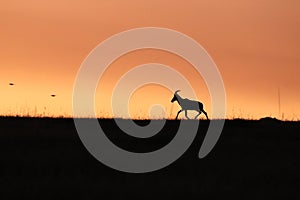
146 119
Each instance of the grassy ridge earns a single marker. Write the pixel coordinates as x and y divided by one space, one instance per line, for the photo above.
44 158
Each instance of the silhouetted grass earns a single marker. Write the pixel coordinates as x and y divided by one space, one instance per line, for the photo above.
44 158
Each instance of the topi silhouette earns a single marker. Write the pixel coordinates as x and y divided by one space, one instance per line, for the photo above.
187 104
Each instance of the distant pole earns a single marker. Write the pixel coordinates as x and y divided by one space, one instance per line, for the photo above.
279 106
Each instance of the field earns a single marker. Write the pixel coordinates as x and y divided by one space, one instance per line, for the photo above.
44 158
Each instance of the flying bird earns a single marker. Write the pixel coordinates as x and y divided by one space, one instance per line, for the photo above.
53 95
11 84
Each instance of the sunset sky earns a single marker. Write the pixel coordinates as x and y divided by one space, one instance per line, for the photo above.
255 45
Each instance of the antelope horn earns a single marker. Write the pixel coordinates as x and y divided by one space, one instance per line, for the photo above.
177 91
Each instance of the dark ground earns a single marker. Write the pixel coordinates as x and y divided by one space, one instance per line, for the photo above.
45 159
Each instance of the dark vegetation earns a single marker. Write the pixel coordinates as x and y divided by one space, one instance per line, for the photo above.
43 158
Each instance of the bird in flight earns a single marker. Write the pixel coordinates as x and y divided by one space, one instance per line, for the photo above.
11 84
53 95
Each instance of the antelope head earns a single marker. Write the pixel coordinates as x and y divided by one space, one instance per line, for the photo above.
175 96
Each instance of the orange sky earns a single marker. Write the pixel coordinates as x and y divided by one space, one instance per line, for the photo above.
255 44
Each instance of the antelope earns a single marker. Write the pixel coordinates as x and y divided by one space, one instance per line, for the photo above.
187 104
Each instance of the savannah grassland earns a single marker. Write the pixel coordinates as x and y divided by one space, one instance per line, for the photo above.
43 158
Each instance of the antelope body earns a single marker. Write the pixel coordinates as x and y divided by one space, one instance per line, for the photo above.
187 104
